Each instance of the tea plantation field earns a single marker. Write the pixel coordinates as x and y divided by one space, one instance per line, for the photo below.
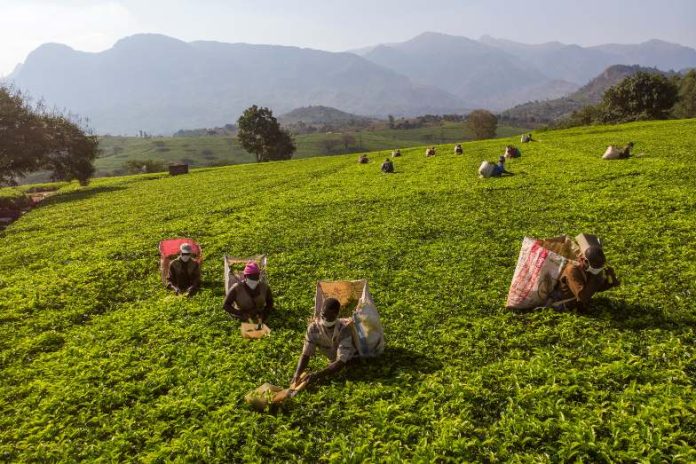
99 363
216 150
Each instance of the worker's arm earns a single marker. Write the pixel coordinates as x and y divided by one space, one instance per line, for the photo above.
329 370
269 305
576 284
196 278
610 280
171 278
301 367
228 304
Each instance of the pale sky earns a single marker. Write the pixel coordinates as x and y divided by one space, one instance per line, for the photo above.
337 25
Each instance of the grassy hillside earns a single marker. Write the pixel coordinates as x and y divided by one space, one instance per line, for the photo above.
207 151
99 362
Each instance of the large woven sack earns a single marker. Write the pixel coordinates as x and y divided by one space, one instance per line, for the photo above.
612 153
486 169
536 275
356 303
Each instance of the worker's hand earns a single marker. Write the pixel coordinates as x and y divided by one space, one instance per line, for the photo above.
177 290
189 290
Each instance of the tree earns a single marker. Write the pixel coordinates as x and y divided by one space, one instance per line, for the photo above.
348 141
686 106
259 133
32 139
391 121
640 96
329 145
482 123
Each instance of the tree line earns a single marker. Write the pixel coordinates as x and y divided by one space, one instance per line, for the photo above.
35 139
640 97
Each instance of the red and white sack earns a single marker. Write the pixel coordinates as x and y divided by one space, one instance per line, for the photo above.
536 275
612 153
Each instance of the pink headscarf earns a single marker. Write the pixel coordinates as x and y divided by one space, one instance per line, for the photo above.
251 268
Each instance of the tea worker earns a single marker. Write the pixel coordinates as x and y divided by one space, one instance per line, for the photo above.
387 166
250 299
579 281
626 151
362 159
458 150
184 274
499 169
334 339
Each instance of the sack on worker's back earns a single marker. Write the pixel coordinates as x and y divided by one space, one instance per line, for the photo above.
368 333
612 153
486 169
536 273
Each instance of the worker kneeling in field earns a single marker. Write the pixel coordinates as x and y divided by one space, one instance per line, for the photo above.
184 275
250 299
387 166
580 281
499 169
458 150
333 337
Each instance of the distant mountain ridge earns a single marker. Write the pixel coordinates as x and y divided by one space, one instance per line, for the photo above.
160 84
497 73
320 115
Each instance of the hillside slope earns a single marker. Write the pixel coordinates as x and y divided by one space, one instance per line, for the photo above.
546 111
99 362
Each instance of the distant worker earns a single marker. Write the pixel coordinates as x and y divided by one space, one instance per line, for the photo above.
362 159
458 150
184 274
430 152
499 168
250 299
396 153
526 138
334 338
578 282
387 166
626 152
512 152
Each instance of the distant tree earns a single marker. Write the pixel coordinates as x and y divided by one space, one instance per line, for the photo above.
329 145
32 139
482 123
640 96
260 133
686 106
391 121
348 141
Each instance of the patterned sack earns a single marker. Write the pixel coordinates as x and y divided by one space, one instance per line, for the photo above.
536 275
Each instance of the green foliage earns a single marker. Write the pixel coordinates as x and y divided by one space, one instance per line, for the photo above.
642 96
33 139
482 123
259 133
686 107
99 363
13 199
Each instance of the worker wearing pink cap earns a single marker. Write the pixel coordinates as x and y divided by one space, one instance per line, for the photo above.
251 298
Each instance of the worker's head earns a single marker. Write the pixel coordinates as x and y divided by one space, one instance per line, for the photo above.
185 252
501 159
252 274
594 260
630 144
329 312
386 160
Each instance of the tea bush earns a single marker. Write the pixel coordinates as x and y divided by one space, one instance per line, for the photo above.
98 362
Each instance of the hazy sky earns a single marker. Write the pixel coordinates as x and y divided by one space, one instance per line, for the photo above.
94 25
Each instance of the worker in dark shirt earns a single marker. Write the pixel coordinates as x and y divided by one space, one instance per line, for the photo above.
184 275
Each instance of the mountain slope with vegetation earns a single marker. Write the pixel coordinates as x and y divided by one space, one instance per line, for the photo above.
99 362
544 112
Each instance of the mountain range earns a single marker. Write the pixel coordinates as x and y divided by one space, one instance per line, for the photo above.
160 84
